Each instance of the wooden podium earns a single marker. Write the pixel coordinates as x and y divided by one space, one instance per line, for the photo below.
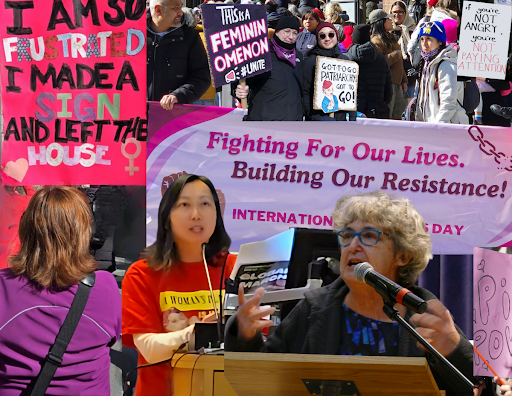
204 372
270 374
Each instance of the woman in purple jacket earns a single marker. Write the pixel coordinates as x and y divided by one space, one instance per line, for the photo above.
36 293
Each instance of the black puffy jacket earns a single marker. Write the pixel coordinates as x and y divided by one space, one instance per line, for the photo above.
309 83
276 94
375 87
177 64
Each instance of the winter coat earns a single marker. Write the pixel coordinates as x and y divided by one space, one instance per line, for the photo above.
490 98
276 94
440 96
394 58
177 64
375 88
439 14
402 34
309 83
305 43
314 327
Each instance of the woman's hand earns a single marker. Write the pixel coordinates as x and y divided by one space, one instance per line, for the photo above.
242 92
437 327
506 389
404 87
249 314
210 318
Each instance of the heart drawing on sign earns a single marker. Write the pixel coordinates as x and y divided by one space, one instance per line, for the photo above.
17 169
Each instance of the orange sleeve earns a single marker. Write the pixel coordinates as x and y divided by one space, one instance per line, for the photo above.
230 264
141 313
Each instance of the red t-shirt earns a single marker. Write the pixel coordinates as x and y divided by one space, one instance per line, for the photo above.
164 301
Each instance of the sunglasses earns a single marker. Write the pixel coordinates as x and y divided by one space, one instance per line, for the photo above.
398 13
323 35
431 25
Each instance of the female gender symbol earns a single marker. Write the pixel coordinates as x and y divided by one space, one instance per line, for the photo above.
131 168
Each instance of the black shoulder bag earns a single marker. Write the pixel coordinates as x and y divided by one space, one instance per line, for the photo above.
54 358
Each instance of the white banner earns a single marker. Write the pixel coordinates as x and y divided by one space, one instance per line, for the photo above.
484 37
277 175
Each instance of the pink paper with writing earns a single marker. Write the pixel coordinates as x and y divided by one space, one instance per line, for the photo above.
492 323
73 92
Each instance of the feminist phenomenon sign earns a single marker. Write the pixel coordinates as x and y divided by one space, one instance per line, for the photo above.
484 37
492 322
277 175
236 41
335 85
73 92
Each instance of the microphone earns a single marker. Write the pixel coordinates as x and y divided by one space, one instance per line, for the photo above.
217 314
389 290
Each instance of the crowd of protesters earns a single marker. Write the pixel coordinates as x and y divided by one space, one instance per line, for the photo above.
407 57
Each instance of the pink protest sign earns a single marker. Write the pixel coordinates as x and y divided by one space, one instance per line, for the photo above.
492 323
73 92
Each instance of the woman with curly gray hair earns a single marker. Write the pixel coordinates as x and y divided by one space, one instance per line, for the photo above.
346 317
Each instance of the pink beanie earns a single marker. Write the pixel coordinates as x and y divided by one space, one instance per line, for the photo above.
451 30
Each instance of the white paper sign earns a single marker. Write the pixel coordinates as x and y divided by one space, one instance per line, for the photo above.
484 37
335 85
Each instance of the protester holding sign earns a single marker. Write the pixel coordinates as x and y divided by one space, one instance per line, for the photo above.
165 295
327 37
177 67
276 94
440 95
375 88
388 46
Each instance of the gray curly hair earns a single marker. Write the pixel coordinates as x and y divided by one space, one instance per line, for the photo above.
396 216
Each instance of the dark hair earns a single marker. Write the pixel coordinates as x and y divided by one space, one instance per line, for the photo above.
379 30
400 4
312 13
163 251
55 234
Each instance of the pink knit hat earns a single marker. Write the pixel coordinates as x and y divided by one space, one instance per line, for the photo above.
451 30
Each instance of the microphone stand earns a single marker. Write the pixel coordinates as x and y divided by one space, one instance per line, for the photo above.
394 315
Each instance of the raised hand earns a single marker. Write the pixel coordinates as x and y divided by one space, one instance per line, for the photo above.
437 327
249 314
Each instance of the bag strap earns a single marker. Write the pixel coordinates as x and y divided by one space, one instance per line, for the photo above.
54 358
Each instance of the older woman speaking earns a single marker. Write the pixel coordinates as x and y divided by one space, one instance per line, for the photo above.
346 317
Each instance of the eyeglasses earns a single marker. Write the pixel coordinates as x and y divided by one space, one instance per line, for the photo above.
366 237
289 32
323 36
398 13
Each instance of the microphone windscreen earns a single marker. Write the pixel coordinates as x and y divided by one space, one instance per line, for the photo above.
360 271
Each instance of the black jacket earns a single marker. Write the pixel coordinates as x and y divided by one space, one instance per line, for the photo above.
314 327
374 83
177 64
276 94
309 83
